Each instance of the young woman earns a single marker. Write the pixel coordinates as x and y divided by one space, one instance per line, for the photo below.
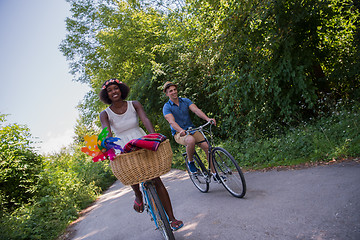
122 118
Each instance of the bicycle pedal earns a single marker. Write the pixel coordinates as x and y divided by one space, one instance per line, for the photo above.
217 178
195 174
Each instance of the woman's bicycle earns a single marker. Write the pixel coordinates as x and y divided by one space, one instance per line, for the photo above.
140 166
228 171
155 209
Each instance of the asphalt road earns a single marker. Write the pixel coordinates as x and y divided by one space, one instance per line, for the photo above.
318 203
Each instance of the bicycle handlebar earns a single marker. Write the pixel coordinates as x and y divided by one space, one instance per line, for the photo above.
198 128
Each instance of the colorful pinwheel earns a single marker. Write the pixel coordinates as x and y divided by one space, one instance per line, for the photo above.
101 147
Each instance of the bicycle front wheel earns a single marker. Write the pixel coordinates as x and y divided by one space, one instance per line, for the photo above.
160 217
229 171
200 177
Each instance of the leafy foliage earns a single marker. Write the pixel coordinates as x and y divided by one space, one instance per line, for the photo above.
268 62
19 167
265 65
334 136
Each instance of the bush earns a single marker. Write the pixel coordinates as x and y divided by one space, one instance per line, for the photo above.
66 185
329 137
40 196
19 166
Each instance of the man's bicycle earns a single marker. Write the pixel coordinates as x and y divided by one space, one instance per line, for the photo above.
140 167
155 209
228 171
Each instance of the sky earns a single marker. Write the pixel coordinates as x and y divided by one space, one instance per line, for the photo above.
36 88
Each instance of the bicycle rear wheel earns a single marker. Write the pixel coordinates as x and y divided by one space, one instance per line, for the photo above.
229 171
199 178
160 217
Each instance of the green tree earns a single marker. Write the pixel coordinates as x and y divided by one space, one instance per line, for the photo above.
270 64
19 166
116 39
257 66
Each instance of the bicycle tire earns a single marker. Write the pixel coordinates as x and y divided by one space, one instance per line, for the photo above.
160 216
199 178
229 172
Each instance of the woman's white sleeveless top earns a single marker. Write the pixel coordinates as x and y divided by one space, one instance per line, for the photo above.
126 125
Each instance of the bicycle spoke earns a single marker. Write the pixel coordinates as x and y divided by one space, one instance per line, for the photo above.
199 178
230 173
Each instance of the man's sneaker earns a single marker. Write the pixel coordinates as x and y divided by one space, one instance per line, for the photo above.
192 167
216 178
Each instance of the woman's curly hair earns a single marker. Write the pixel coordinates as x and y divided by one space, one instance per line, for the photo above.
124 89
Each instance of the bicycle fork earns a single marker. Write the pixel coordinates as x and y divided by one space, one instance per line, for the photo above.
150 207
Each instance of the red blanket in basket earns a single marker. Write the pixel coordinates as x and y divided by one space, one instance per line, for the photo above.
150 141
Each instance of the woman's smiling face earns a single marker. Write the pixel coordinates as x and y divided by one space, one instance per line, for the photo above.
114 92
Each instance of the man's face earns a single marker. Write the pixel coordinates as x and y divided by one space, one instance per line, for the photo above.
171 92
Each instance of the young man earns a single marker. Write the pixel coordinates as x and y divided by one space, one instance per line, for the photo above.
176 112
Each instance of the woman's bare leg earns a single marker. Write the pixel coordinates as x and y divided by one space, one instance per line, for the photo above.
138 203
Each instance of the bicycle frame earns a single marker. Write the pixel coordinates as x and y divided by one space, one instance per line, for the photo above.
210 143
227 170
200 129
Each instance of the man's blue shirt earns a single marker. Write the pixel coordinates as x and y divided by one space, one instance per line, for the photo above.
180 113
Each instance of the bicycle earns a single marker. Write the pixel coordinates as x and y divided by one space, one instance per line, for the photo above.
155 209
142 166
226 167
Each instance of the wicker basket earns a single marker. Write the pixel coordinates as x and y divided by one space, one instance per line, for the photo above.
141 165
